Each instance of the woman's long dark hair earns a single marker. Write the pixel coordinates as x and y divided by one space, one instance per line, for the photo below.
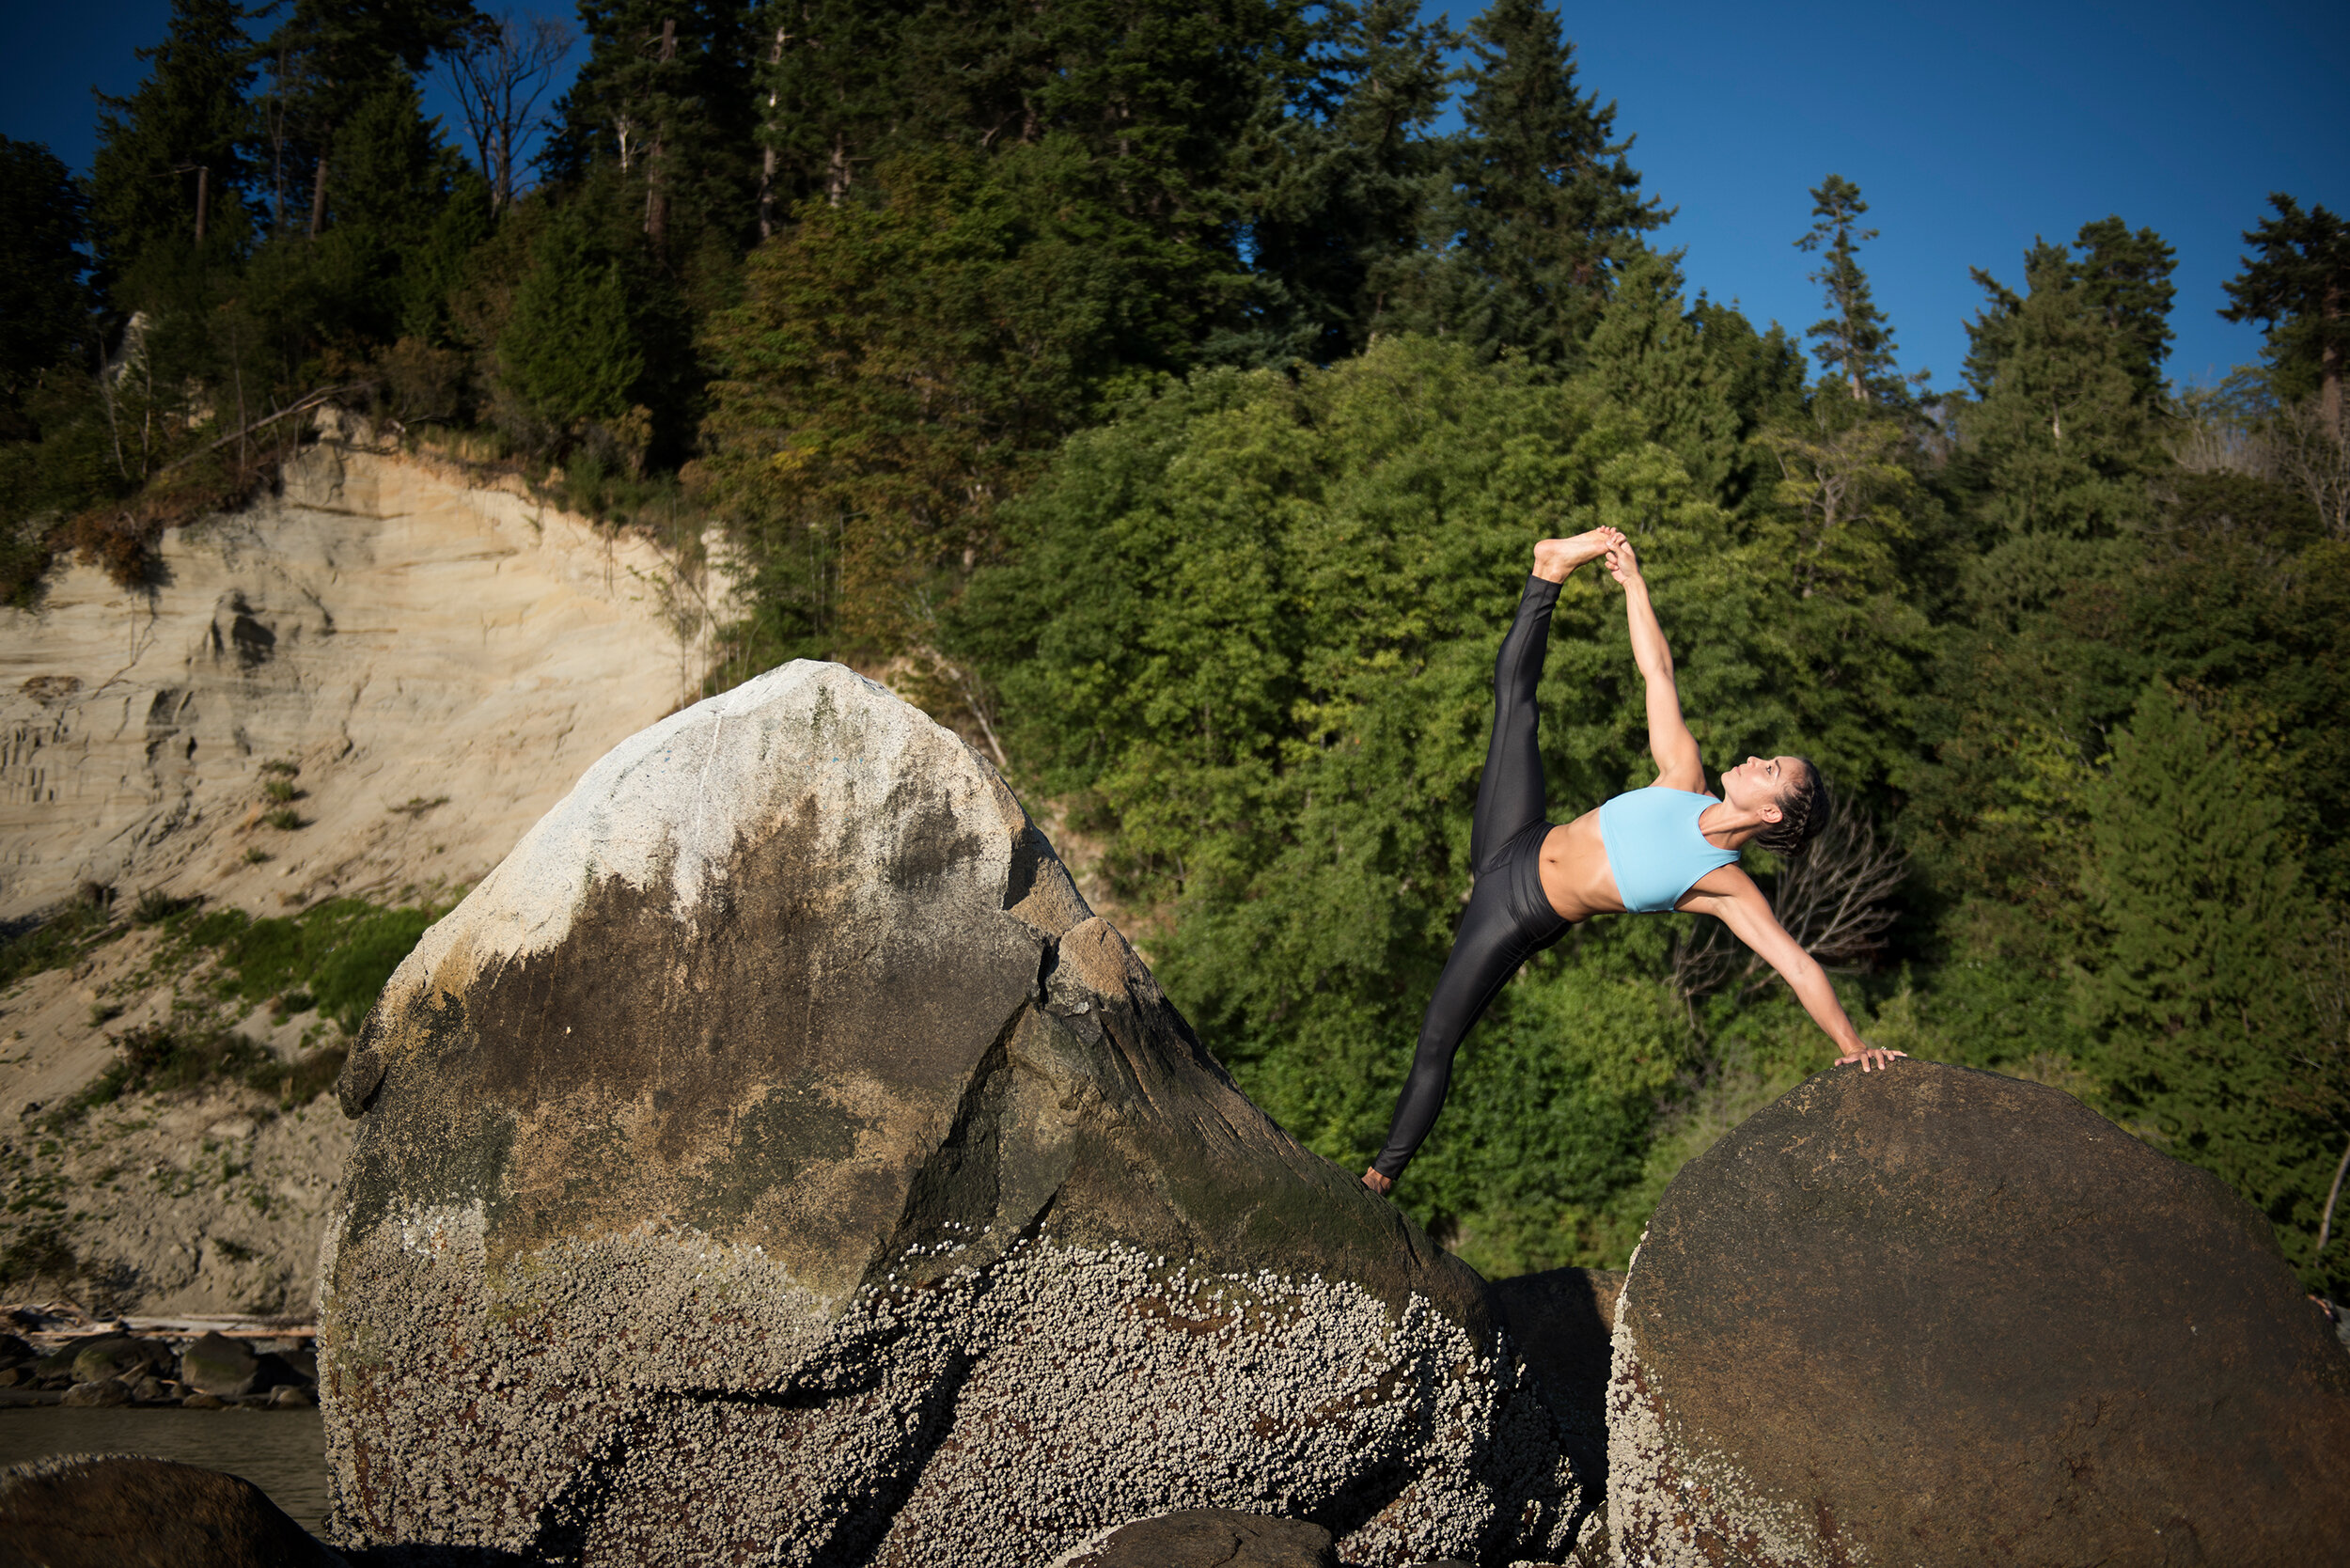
1802 811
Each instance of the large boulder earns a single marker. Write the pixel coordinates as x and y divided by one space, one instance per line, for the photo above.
1936 1316
774 1158
122 1511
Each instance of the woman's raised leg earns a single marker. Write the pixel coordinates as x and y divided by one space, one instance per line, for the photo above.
1499 931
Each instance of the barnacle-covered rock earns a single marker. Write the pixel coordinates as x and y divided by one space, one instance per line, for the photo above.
775 1159
1938 1316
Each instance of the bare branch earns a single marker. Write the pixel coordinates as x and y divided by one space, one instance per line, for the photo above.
1835 901
497 75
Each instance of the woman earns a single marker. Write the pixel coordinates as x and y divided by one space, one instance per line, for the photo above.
1670 846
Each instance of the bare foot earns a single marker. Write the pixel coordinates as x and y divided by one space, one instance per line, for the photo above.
1377 1183
1554 557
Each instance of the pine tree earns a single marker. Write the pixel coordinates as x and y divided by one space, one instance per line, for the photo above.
664 99
170 168
1342 179
1542 212
2058 445
1854 341
2298 285
2196 993
329 59
2126 275
1652 360
571 348
831 80
44 308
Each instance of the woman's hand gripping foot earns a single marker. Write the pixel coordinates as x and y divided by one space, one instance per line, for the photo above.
1554 557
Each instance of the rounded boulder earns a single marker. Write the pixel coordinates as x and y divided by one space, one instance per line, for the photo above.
1933 1316
775 1159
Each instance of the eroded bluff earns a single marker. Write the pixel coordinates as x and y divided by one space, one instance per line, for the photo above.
773 1158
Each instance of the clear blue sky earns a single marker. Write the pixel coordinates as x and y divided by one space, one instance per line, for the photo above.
1970 129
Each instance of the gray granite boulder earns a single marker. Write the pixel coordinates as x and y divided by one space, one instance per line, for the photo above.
1931 1316
775 1159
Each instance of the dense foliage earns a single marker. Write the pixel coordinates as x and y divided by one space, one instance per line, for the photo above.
1159 395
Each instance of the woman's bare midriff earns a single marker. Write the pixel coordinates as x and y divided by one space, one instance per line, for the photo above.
1576 878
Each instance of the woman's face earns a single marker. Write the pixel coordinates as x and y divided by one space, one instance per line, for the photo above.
1759 783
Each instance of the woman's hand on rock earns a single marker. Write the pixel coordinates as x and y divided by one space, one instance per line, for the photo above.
1869 1056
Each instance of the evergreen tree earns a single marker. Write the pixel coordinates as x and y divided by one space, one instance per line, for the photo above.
396 176
1651 359
44 308
2196 993
833 84
330 60
2298 285
170 165
1542 210
2059 446
571 349
2126 275
1342 179
664 99
1854 341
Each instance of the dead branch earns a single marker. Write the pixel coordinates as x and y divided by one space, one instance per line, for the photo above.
1835 900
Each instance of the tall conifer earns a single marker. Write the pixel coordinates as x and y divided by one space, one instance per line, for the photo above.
1544 210
170 160
1854 341
2298 285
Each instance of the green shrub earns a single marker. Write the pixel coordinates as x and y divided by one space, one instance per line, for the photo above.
39 1254
55 942
339 953
283 820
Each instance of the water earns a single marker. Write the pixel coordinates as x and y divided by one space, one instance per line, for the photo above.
281 1451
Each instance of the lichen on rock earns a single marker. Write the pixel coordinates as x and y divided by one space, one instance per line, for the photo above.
776 1157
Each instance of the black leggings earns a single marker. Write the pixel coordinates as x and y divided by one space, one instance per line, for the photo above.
1509 918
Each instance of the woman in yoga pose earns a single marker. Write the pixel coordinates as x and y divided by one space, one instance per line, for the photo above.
1670 846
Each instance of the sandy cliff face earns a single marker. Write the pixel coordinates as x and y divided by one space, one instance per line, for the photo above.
439 660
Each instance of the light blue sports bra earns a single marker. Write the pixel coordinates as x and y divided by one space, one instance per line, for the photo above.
1654 848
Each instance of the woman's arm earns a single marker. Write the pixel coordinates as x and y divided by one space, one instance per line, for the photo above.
1678 766
1738 903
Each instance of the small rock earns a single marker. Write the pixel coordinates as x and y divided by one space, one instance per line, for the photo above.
1213 1538
90 1511
219 1364
202 1401
105 1391
236 1129
153 1390
11 1376
119 1356
288 1397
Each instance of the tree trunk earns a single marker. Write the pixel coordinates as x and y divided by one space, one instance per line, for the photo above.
2325 1225
2329 361
317 199
203 190
656 169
